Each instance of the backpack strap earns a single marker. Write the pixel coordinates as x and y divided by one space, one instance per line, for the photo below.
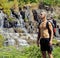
47 26
39 24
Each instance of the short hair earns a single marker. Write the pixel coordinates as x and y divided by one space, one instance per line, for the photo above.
44 12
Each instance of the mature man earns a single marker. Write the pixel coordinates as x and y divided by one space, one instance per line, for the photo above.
44 38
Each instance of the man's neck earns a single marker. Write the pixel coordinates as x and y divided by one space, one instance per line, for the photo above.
44 20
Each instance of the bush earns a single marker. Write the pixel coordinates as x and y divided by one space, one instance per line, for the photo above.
25 52
9 52
54 41
59 17
1 40
56 52
33 52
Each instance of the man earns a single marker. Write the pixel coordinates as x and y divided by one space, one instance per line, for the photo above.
44 38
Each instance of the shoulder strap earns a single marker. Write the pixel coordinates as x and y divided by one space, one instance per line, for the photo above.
47 26
39 24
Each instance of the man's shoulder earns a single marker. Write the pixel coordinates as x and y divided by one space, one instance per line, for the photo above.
49 24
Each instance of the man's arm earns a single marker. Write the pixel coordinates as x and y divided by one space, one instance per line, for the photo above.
38 38
51 30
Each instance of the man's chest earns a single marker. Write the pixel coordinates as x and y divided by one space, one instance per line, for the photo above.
43 25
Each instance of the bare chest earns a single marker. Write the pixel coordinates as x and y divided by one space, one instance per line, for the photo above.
42 25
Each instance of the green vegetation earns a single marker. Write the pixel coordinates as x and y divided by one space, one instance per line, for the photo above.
52 2
26 20
27 52
59 17
56 52
7 4
11 19
55 41
1 40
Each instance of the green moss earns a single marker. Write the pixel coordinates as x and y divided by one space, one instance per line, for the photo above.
11 19
1 40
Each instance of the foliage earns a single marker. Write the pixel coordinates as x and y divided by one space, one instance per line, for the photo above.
9 52
55 41
59 17
4 5
51 2
33 52
56 52
34 1
7 4
11 19
21 3
1 40
26 20
26 52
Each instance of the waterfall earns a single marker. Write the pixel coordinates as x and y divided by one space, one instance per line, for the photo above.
1 19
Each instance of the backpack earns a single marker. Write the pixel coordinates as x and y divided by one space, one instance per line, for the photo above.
54 29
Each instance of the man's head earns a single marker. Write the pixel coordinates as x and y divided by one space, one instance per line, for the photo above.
43 15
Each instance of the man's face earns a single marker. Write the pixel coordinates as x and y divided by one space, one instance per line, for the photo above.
42 15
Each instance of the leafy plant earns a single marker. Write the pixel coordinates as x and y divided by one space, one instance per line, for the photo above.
1 40
26 52
59 17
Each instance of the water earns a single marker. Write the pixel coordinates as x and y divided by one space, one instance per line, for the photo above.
12 39
28 14
21 23
1 19
22 42
9 42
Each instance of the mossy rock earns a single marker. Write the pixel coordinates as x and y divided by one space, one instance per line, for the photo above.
11 19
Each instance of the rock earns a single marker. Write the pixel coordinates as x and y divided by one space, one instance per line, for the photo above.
22 42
